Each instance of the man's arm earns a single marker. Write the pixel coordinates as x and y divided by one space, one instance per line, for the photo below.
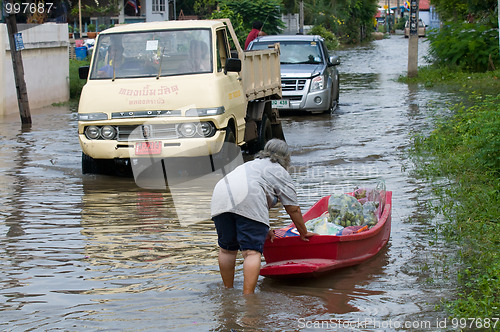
296 216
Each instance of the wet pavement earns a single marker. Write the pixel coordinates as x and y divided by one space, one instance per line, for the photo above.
92 252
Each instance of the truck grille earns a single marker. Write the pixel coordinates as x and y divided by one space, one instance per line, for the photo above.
292 84
143 132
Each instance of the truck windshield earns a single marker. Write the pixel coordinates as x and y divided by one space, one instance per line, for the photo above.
296 52
152 53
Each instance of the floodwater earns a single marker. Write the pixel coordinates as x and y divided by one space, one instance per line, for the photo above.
91 252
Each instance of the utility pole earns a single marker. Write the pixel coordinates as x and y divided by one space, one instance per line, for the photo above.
301 17
80 18
413 40
17 66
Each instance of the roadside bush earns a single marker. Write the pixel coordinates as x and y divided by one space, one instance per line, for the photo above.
330 39
468 46
75 83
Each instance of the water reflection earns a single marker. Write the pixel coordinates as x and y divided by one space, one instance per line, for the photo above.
15 204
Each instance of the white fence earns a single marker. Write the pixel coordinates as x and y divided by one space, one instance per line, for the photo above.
46 66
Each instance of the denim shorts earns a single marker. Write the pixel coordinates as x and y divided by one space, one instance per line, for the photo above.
237 232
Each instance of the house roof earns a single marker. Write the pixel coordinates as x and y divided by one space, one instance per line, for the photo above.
424 5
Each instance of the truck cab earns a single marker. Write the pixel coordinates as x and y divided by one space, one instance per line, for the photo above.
170 89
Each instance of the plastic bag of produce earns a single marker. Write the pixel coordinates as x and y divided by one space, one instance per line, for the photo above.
361 194
369 210
345 210
311 224
376 195
322 226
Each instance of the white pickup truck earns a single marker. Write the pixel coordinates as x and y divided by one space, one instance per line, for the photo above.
172 89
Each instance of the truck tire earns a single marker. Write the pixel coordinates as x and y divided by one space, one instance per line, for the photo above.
89 165
228 152
96 166
265 131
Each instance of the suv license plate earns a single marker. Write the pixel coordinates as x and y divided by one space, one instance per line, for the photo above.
282 103
143 148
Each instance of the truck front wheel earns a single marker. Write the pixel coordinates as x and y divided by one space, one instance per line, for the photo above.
228 152
96 166
89 165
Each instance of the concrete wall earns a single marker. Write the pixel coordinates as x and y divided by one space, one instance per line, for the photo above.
46 66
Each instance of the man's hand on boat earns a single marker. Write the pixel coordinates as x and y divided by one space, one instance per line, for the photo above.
296 216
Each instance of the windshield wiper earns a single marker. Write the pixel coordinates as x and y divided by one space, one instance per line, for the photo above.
161 60
308 62
114 73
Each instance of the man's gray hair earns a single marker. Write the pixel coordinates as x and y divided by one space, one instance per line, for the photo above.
277 151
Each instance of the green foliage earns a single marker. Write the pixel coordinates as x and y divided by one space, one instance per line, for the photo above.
400 25
453 78
110 8
236 21
205 8
464 147
469 46
330 39
91 27
350 20
266 11
75 83
461 10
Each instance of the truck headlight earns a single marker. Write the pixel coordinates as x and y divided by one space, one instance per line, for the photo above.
92 116
318 83
92 132
206 129
108 132
187 129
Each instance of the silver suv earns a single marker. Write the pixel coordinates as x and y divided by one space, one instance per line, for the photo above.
309 76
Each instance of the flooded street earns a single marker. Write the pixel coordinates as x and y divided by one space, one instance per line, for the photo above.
90 252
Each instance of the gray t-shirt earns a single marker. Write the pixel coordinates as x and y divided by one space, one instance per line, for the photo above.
252 189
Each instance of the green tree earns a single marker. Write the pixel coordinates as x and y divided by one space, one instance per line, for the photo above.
266 11
205 8
469 36
461 10
243 13
350 20
236 22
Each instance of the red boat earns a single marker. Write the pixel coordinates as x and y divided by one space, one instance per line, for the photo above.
291 257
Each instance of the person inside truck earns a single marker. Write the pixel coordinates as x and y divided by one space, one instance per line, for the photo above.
240 211
198 58
115 60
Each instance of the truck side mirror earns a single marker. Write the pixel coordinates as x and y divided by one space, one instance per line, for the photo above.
232 65
334 60
83 72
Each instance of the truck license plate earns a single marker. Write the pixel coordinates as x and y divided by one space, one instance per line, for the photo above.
143 148
282 103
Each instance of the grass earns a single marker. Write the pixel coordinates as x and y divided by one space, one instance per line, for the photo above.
75 83
464 147
454 78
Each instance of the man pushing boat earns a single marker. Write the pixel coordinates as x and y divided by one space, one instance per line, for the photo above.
240 210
